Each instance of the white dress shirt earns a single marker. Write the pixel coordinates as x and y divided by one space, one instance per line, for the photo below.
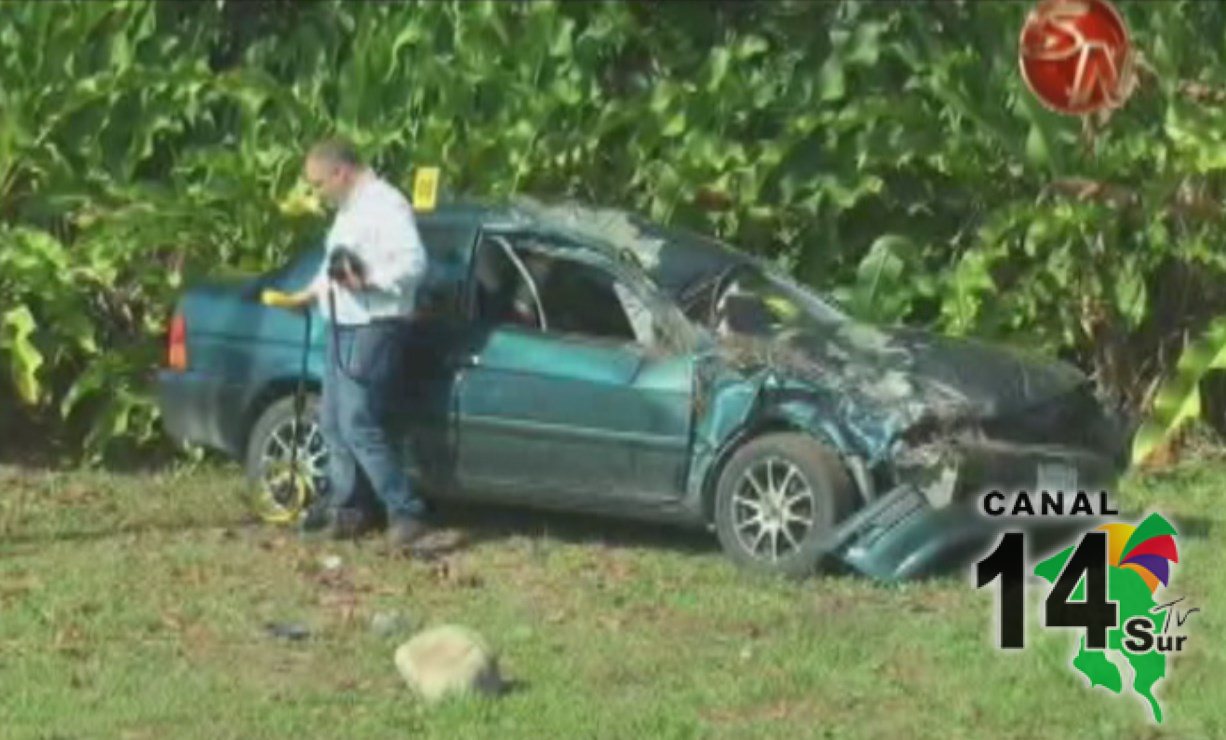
376 223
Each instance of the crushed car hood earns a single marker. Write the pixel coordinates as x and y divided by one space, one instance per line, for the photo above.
887 380
989 380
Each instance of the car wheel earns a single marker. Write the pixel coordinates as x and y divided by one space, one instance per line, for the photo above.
777 498
277 495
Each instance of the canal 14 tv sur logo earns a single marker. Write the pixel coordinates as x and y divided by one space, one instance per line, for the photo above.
1109 582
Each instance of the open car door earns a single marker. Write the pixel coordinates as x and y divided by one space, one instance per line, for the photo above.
560 396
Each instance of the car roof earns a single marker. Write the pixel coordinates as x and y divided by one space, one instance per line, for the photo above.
671 257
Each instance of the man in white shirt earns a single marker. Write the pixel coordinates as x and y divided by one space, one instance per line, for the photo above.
368 309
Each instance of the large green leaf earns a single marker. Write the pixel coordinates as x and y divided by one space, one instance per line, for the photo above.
967 289
1178 400
884 287
832 82
16 327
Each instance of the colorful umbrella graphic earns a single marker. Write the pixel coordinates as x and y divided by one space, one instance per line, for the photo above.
1148 549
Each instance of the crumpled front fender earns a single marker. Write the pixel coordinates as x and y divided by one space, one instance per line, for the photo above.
732 407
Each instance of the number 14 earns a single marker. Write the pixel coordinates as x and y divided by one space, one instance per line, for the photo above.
1095 614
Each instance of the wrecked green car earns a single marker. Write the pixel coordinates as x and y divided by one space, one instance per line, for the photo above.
584 359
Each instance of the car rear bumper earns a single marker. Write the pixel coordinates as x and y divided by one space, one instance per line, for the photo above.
201 409
913 531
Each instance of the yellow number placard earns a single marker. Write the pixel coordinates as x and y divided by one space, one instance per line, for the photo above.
425 189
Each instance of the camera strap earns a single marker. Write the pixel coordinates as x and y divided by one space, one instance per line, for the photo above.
336 333
396 344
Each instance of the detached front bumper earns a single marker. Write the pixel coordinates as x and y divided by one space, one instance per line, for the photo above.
937 523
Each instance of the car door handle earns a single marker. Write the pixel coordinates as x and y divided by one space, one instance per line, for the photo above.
466 360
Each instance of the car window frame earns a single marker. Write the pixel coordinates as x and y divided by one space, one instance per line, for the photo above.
458 255
508 249
566 250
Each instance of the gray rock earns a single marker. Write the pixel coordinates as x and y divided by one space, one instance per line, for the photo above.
387 623
288 630
448 661
331 562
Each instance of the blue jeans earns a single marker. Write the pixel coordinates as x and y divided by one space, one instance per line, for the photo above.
360 394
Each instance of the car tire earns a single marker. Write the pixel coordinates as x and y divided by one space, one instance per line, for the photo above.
277 419
802 469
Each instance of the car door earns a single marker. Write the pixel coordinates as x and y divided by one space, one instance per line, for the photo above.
424 410
557 398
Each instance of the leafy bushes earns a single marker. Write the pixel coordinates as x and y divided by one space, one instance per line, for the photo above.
886 151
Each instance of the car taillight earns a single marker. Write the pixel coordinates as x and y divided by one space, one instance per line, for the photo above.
176 343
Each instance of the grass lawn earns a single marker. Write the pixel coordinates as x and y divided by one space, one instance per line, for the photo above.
135 606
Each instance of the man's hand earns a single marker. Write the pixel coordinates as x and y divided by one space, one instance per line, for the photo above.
352 282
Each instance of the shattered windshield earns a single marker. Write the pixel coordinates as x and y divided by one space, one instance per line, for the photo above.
714 284
744 295
752 299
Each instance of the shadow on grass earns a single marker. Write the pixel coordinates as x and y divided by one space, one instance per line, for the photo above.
512 685
1196 527
37 449
480 523
13 543
483 522
486 522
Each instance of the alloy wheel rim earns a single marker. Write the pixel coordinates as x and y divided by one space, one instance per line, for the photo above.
773 509
312 454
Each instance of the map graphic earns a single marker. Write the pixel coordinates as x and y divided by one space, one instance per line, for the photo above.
1139 558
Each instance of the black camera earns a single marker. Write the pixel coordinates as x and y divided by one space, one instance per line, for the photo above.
342 263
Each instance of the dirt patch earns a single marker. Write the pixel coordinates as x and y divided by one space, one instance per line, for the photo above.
793 710
907 667
17 586
937 599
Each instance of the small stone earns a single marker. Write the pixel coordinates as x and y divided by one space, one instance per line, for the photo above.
448 661
331 562
294 631
388 623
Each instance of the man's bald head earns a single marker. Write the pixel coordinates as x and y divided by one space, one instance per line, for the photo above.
332 167
336 150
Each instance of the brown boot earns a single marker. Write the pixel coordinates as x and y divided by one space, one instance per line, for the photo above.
405 533
349 524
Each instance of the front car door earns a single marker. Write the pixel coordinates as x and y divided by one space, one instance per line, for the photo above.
564 395
424 414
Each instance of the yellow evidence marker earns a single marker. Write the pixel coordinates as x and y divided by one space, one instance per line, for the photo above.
425 189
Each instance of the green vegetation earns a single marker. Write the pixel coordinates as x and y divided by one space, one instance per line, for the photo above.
888 152
135 606
885 152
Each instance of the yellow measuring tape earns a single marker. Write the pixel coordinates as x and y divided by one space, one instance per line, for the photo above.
276 299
